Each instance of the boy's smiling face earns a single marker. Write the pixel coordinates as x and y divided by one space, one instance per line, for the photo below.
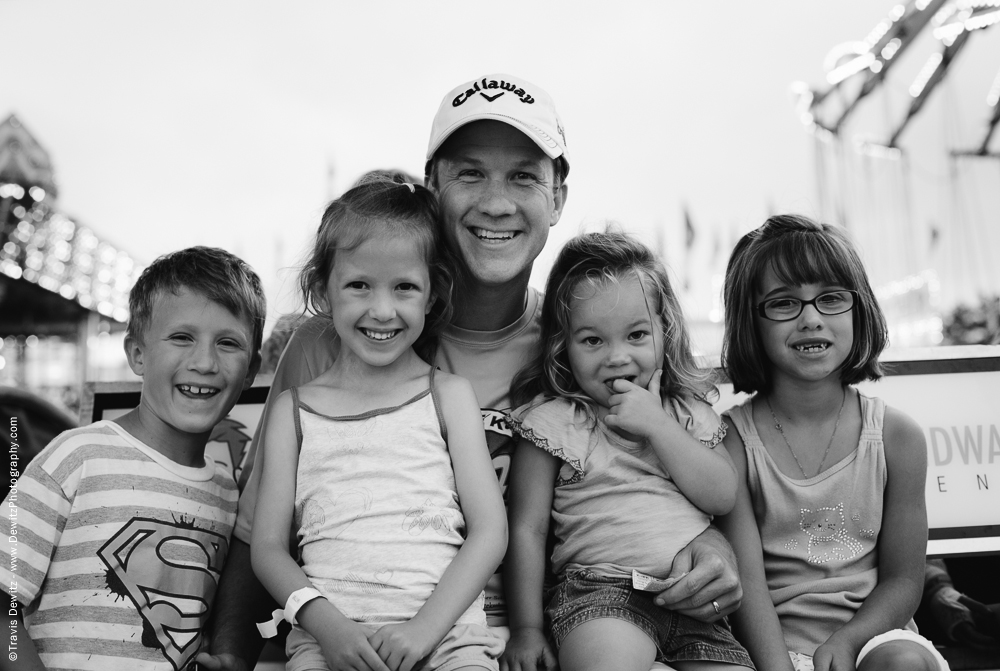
195 358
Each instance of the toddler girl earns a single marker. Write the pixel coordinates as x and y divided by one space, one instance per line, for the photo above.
619 447
367 463
830 526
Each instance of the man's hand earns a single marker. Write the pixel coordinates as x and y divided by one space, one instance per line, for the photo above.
634 409
528 650
712 579
965 620
224 662
984 629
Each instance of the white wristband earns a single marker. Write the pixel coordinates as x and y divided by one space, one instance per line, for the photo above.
269 629
297 599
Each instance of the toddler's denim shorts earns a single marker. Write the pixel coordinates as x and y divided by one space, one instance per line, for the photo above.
583 596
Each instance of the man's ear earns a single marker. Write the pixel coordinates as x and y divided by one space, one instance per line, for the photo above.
134 354
559 196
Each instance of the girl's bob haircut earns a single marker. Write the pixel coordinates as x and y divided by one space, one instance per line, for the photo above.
380 208
599 259
799 251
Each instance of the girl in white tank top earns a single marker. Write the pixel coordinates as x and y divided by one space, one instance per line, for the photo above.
367 465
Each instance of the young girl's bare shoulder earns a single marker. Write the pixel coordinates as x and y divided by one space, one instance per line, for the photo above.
733 442
283 400
902 435
453 387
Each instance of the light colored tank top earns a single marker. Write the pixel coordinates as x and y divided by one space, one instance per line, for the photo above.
819 535
615 508
377 510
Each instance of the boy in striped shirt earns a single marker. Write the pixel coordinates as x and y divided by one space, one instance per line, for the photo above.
117 531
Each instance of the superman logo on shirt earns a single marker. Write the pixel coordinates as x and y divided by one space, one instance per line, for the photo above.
170 571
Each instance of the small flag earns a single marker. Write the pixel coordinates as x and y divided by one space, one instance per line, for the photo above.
688 229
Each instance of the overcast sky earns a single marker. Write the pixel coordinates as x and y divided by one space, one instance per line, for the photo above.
232 123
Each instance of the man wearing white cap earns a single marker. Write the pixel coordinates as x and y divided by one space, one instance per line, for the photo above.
497 161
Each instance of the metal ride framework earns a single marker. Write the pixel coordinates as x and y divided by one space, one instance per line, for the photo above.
918 207
952 23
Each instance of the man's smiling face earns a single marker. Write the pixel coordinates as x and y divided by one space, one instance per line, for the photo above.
498 197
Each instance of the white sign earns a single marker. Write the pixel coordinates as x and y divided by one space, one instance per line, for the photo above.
956 400
230 438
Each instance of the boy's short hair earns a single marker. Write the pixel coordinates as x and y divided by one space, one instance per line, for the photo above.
214 273
799 251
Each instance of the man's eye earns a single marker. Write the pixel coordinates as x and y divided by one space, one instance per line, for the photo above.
526 177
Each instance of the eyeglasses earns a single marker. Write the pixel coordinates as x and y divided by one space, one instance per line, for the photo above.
786 309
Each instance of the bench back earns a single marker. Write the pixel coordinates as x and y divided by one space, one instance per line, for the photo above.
954 394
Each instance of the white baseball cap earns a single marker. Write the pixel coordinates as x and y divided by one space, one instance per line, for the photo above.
505 98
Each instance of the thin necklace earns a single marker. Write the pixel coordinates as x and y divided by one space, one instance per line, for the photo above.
822 462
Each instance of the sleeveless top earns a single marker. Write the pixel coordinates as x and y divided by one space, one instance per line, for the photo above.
819 535
376 508
615 507
487 359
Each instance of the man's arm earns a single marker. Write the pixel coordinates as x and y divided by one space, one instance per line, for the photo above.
710 576
240 603
241 600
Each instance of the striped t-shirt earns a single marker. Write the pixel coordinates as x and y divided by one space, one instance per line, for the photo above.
115 550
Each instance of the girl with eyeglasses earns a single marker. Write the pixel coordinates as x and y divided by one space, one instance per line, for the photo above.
830 523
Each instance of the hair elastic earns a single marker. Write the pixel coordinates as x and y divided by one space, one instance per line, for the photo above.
409 186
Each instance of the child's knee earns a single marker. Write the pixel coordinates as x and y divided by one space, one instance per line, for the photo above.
596 643
900 655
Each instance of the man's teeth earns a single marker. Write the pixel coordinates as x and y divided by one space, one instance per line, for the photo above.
379 335
483 234
197 391
813 347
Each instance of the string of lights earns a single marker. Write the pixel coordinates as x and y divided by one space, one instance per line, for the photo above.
41 245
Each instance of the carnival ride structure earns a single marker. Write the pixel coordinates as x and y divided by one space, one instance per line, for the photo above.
906 156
